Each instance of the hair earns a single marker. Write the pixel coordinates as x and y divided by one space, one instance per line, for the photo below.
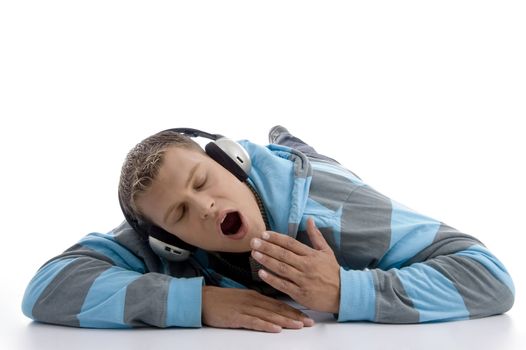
142 164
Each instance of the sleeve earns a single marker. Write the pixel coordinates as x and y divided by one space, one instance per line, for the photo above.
404 267
98 283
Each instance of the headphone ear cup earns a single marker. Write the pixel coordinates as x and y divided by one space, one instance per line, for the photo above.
168 251
165 236
163 243
231 155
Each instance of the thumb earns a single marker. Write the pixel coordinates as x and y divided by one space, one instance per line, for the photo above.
315 236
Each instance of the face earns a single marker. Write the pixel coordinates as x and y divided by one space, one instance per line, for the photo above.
202 203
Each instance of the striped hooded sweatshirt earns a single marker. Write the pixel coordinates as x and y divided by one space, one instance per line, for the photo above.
396 265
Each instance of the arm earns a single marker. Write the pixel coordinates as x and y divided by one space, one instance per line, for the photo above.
99 283
397 266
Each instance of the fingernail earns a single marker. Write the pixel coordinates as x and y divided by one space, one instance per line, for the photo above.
265 235
257 255
298 324
256 243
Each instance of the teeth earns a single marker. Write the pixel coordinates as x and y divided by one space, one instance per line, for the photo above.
224 217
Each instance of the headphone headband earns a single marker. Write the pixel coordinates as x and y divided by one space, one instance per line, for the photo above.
196 133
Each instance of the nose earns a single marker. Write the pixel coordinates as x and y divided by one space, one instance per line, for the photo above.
205 206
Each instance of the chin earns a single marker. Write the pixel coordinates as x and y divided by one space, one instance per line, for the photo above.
243 247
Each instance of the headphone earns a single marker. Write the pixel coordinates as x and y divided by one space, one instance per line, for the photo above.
228 153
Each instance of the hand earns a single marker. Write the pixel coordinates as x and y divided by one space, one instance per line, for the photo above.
309 276
244 308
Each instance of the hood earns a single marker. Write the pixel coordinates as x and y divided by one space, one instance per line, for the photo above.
281 175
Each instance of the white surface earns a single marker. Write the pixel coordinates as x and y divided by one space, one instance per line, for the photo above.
498 332
424 101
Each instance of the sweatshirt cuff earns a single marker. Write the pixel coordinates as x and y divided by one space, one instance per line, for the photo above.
357 296
184 302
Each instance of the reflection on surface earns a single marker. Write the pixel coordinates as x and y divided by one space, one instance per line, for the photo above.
489 333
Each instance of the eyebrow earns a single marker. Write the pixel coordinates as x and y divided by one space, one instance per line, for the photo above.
172 207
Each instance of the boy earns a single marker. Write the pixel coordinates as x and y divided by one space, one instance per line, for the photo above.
300 225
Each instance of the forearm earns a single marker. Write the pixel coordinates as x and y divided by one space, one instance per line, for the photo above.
99 283
85 292
469 284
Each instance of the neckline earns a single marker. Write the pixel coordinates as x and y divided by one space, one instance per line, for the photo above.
260 205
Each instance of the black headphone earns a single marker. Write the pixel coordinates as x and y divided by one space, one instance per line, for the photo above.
231 155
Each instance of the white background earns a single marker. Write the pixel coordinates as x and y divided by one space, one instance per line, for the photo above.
424 100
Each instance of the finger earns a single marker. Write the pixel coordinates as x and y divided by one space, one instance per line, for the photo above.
284 309
276 318
279 283
258 324
277 252
315 236
278 267
286 242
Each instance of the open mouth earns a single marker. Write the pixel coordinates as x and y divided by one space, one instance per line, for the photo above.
231 223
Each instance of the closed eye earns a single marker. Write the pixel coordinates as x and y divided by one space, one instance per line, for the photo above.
201 183
183 211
